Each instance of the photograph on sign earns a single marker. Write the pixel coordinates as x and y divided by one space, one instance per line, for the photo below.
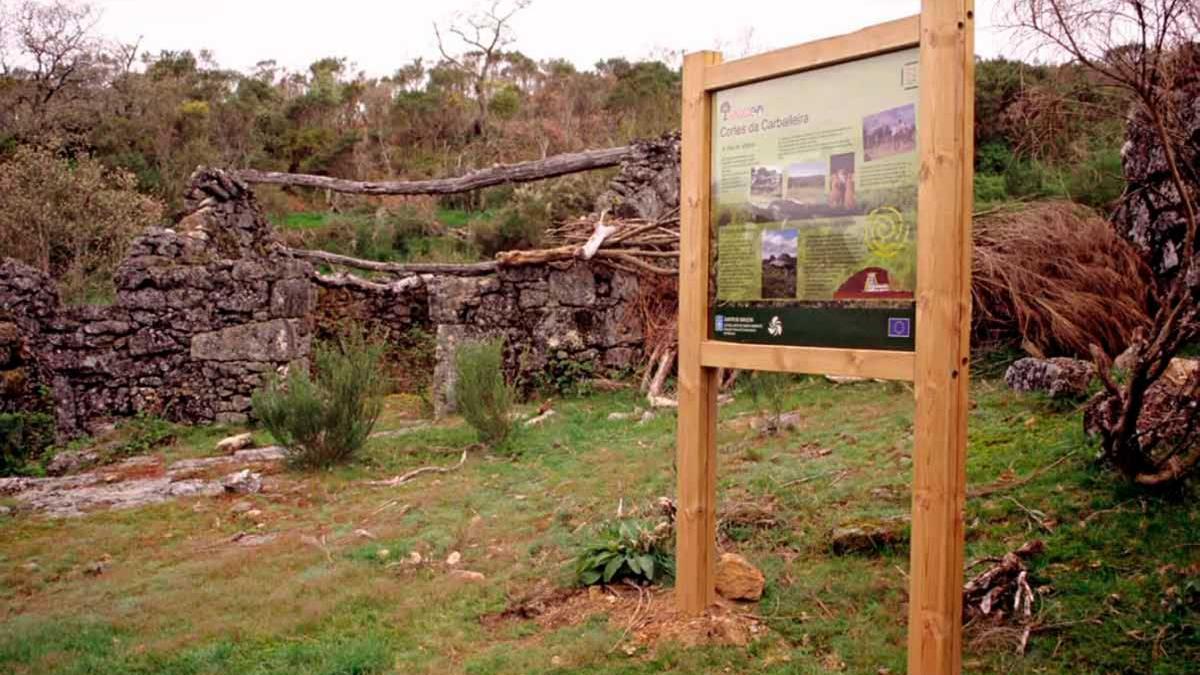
814 205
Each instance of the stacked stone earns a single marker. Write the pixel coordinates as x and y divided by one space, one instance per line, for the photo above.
202 312
647 184
27 300
575 313
1151 213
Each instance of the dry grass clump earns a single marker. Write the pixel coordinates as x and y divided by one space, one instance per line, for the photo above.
1058 276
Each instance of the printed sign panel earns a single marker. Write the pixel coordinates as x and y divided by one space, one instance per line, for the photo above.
814 206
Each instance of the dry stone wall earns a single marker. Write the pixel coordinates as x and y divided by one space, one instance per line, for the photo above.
201 312
1151 213
205 309
647 186
558 321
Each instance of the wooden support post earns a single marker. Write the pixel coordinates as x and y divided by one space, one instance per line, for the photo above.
696 463
946 120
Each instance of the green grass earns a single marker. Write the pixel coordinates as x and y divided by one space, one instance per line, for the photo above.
178 600
301 220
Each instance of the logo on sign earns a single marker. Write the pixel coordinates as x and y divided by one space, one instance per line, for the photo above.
728 112
899 327
775 327
720 323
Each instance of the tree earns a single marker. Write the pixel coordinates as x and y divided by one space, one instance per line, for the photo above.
1145 48
48 55
484 35
70 218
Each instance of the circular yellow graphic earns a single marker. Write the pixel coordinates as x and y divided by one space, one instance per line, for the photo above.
886 233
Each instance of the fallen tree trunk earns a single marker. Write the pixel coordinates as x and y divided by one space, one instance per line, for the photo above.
342 280
465 269
521 172
561 253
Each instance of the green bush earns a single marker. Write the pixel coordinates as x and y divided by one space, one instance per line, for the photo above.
1025 179
990 188
325 417
23 439
1097 181
510 230
627 549
483 396
566 377
994 158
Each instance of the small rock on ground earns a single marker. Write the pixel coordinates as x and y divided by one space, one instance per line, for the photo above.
1059 377
242 482
738 579
866 537
254 539
232 444
70 461
467 575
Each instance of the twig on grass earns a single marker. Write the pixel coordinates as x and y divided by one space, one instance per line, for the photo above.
642 593
1096 514
1036 516
995 487
404 478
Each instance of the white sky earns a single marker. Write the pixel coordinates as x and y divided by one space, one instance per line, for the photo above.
778 242
380 36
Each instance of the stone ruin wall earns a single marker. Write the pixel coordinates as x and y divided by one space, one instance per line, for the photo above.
200 313
205 309
549 316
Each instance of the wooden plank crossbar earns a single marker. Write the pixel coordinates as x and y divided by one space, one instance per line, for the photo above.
870 363
878 39
944 31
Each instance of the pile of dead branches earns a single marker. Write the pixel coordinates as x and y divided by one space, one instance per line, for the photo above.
631 245
647 248
1001 596
1057 276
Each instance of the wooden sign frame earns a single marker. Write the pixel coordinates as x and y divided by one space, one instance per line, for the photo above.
944 32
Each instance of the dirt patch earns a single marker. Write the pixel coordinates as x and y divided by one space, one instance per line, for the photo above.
646 617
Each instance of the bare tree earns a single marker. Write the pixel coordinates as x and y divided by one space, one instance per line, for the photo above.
56 41
1144 47
484 35
52 62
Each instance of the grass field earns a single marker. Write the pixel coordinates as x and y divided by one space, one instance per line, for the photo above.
1120 577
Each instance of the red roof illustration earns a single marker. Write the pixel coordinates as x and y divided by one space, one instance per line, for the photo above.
869 284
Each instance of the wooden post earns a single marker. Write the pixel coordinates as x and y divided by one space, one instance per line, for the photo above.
946 145
696 459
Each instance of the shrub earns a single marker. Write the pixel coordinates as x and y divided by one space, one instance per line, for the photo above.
990 188
769 389
1097 181
23 439
566 377
1057 278
511 229
71 218
626 549
483 396
326 416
